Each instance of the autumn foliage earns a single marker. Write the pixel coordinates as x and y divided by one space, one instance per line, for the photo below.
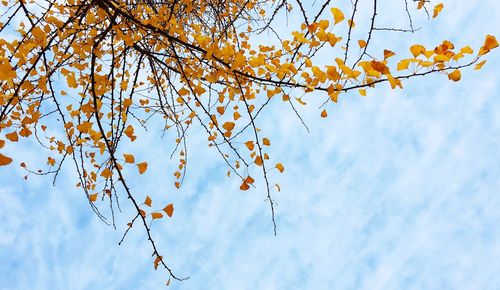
82 78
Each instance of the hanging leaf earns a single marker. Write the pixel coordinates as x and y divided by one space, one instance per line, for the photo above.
129 158
148 201
156 215
4 160
143 166
169 210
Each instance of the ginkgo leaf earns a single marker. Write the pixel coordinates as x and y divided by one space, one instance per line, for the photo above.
70 79
250 145
129 131
479 65
249 180
129 158
362 92
7 73
169 210
403 64
127 103
266 142
157 262
455 75
148 201
228 126
338 15
388 53
324 114
437 10
417 49
280 167
156 215
489 43
93 197
361 43
12 136
51 161
143 166
244 186
5 160
467 49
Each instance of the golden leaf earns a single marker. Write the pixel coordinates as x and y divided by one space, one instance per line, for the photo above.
479 65
169 210
143 166
129 158
5 160
148 201
338 15
455 75
156 215
250 145
437 10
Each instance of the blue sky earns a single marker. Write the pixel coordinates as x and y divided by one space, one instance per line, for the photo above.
396 190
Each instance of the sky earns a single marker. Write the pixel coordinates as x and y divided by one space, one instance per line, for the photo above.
396 190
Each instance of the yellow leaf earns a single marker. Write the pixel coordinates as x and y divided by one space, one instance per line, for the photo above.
489 43
143 166
228 126
280 167
127 103
467 49
417 49
183 92
301 102
455 75
84 127
324 114
156 215
169 210
12 136
437 10
403 64
361 43
93 197
51 161
244 186
249 180
157 262
338 15
388 53
71 80
4 160
129 131
250 145
266 142
106 173
480 65
258 160
129 158
148 201
362 92
7 73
